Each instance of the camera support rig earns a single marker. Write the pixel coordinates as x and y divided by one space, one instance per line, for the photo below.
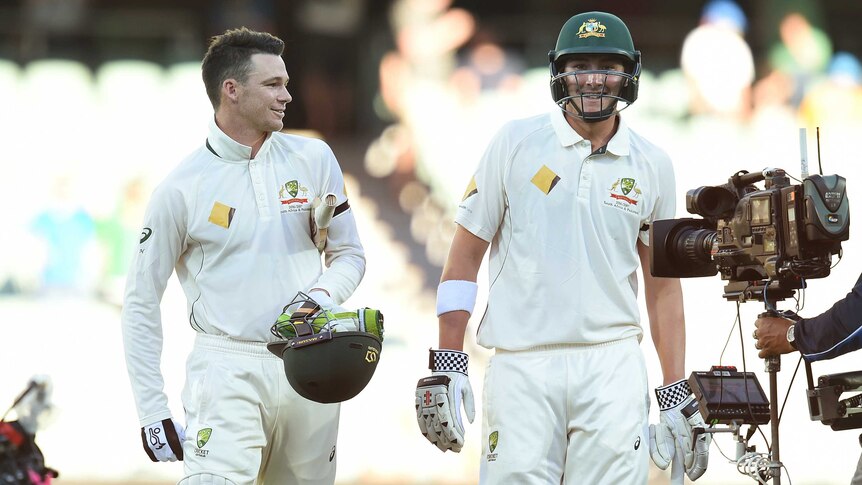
764 242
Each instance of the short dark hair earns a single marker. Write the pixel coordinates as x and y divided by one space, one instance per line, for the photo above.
229 56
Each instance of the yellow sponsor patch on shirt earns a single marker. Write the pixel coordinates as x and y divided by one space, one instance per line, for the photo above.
471 189
545 179
221 215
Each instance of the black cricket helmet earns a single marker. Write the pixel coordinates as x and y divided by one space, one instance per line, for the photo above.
594 33
322 364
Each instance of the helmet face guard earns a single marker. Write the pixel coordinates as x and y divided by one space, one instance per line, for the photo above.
571 93
594 33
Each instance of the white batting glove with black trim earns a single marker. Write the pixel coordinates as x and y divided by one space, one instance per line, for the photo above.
163 440
677 431
439 398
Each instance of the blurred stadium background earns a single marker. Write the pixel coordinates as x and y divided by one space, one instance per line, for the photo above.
102 98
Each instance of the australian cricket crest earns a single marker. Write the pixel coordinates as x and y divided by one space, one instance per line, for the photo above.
493 439
203 437
624 194
591 28
293 196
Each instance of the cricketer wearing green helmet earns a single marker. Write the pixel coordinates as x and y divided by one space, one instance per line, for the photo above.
592 92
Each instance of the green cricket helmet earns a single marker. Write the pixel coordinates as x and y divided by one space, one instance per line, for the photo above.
594 33
325 360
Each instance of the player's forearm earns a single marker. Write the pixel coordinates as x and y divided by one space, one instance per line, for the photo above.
465 258
667 325
452 328
345 259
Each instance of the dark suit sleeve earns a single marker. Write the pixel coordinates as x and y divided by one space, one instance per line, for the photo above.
835 331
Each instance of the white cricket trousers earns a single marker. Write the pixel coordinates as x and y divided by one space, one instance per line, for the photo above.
566 414
247 424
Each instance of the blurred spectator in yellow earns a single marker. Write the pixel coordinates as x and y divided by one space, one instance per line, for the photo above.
718 63
836 99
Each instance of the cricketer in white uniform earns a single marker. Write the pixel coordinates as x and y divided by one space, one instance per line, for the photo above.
233 221
564 201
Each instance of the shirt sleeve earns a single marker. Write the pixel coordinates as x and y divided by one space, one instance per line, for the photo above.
665 205
161 244
344 255
834 332
484 201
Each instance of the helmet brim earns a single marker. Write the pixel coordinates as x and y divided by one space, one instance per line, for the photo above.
333 367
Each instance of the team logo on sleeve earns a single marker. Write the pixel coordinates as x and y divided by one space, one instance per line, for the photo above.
145 234
545 179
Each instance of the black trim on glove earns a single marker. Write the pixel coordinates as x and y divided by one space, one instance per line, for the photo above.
172 437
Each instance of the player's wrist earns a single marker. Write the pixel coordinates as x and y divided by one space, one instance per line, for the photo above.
444 360
672 395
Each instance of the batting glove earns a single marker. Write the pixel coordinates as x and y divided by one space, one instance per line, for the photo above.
163 440
677 431
439 398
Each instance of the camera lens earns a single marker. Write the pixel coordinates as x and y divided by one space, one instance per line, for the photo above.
695 245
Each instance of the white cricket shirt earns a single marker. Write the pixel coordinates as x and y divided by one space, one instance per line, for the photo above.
563 224
237 232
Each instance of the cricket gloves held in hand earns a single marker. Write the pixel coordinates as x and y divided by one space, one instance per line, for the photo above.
163 440
439 398
677 431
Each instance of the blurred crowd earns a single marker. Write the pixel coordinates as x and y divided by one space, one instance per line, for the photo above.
444 90
724 108
83 148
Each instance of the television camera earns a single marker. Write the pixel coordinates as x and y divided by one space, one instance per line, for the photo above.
766 243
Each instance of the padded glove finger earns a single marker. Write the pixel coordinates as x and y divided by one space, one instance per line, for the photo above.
661 445
680 413
700 454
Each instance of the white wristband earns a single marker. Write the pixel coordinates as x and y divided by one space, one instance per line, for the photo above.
454 295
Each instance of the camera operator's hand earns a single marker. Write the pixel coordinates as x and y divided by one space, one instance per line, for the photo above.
773 335
677 430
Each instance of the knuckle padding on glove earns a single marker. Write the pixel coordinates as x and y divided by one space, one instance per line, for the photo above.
439 397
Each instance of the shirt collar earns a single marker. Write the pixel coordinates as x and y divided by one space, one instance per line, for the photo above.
229 149
618 145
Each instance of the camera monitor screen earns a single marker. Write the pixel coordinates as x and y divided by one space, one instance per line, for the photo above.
730 396
760 211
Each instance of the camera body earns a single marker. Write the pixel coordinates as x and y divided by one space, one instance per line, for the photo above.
764 242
